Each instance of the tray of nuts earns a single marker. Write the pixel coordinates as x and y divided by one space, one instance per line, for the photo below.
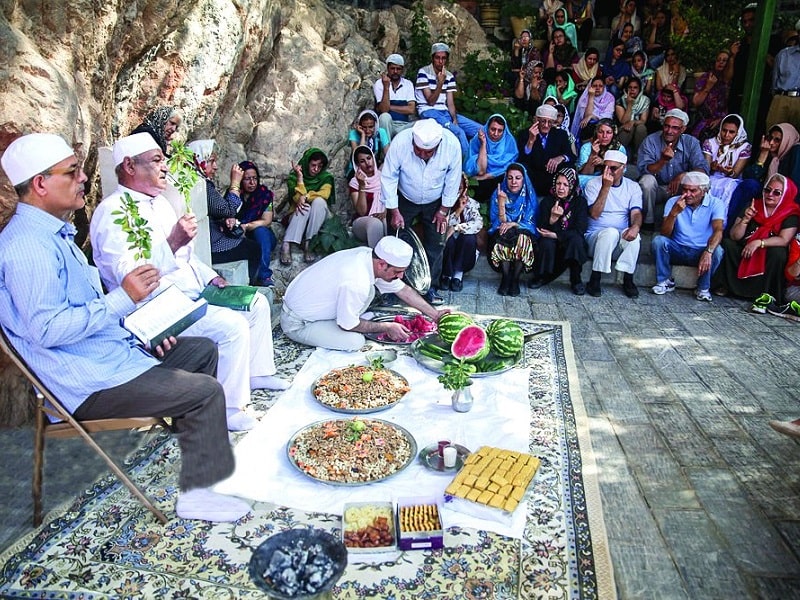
368 527
419 524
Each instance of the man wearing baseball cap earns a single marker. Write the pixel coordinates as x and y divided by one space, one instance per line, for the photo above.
664 158
394 97
435 89
55 314
244 338
324 304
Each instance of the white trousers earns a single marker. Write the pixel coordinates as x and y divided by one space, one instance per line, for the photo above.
603 243
393 127
244 343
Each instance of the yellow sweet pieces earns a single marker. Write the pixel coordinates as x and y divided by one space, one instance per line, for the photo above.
494 477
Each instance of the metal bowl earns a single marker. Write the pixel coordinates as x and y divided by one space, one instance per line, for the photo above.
298 540
388 356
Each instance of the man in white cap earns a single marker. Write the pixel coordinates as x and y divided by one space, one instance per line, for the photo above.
394 97
53 309
615 217
435 90
690 235
244 339
420 178
785 104
324 304
664 158
544 148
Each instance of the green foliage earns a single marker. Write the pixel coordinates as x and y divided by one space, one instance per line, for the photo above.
698 49
419 54
136 227
332 237
483 88
181 167
455 375
527 11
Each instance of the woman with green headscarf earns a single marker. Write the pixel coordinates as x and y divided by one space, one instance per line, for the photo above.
311 190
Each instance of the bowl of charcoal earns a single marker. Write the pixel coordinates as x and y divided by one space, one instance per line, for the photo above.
298 564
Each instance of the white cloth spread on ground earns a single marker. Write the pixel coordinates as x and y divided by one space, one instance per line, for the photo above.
500 417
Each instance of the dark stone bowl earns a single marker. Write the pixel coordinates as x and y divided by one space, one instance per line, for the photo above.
294 539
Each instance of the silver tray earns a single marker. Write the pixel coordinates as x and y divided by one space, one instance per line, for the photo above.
388 318
437 366
412 453
430 459
356 411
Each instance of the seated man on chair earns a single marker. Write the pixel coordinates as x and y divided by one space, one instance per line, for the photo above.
244 339
56 316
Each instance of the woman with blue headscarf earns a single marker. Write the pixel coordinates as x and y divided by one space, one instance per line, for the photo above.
513 233
490 152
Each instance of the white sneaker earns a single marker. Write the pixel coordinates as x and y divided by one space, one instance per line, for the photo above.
238 420
268 382
703 295
668 285
204 505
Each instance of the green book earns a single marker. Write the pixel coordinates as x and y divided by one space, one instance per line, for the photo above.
236 297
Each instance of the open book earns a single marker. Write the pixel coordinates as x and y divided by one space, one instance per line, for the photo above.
168 314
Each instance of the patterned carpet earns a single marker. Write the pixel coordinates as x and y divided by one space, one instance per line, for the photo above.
105 545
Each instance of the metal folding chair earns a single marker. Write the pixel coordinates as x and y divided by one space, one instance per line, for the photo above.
48 404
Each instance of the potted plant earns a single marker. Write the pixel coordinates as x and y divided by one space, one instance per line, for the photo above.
522 15
456 377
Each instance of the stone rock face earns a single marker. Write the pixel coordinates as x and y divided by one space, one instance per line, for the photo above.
265 78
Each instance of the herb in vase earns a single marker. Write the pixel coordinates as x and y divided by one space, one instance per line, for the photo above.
136 227
181 167
456 375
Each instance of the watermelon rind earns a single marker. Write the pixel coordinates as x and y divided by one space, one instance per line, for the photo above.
471 344
451 324
506 338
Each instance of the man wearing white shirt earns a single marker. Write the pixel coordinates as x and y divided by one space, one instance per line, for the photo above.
324 303
244 339
394 97
420 178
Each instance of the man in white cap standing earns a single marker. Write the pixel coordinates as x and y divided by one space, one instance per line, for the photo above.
324 304
544 149
615 217
420 178
244 338
394 97
55 314
664 158
691 234
435 90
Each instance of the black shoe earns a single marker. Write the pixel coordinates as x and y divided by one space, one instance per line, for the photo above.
432 298
513 289
578 289
628 287
593 289
456 285
444 282
504 286
535 284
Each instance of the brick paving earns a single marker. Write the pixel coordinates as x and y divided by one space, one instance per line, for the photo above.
701 498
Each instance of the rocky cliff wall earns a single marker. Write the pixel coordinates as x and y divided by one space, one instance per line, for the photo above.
266 78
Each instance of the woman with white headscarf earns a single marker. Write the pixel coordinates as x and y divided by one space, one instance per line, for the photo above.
727 155
228 241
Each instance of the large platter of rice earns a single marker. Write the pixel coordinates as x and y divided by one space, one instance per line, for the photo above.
351 451
360 389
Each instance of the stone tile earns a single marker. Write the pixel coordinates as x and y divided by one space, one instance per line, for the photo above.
644 571
618 401
773 489
705 563
754 542
731 392
659 475
781 450
684 439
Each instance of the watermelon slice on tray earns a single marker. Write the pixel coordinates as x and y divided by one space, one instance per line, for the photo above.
418 324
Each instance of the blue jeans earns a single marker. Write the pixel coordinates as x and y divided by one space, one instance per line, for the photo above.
267 240
668 253
464 131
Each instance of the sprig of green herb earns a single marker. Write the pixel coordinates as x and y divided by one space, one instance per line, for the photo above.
455 375
354 429
376 363
135 226
181 166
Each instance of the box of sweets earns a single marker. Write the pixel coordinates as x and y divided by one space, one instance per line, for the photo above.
419 523
368 531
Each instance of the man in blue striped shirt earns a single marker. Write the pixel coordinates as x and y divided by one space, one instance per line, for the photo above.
53 309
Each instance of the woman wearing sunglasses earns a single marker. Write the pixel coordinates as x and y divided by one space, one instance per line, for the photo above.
756 252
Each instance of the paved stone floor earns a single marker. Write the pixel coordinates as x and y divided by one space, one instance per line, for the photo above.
701 498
